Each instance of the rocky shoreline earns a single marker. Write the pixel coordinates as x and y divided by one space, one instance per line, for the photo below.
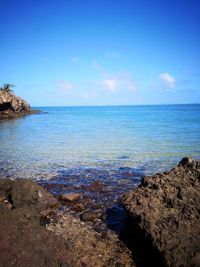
161 226
12 106
35 233
165 210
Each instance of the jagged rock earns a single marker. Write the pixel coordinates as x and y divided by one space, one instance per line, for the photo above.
165 209
13 106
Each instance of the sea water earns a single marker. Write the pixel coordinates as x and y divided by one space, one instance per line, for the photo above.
142 139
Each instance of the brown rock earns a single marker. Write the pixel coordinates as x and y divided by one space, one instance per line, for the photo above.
95 186
25 193
2 197
29 237
70 197
12 106
89 247
78 207
165 210
24 242
90 216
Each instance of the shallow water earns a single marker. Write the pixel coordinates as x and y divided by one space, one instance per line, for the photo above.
148 138
69 148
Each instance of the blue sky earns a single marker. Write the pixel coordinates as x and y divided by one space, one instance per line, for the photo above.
98 52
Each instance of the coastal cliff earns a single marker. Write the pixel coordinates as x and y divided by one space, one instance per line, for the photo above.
12 106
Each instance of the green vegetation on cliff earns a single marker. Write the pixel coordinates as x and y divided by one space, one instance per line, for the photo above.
7 87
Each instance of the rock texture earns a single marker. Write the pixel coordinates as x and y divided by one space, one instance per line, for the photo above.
24 210
13 106
90 247
165 211
34 234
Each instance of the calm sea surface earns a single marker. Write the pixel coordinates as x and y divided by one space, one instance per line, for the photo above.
143 139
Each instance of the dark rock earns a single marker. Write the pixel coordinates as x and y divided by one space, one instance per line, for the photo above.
164 209
12 106
16 193
2 197
24 241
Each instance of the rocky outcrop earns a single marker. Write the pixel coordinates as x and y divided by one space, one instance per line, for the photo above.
13 106
165 211
34 233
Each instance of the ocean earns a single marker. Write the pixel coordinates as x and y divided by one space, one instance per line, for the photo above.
85 140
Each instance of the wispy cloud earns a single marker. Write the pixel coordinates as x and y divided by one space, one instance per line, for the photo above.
110 84
64 86
168 79
119 82
87 94
106 82
113 82
98 67
69 89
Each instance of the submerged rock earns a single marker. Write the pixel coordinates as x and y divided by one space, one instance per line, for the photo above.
13 106
164 211
95 186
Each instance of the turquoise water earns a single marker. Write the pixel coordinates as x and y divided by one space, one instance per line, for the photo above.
143 138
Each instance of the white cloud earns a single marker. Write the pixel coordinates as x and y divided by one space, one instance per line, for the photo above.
64 86
122 81
169 80
118 82
74 59
110 84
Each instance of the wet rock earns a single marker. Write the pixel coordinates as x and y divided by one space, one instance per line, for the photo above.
164 210
70 197
96 186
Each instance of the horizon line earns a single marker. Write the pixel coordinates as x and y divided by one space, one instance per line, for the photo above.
128 105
